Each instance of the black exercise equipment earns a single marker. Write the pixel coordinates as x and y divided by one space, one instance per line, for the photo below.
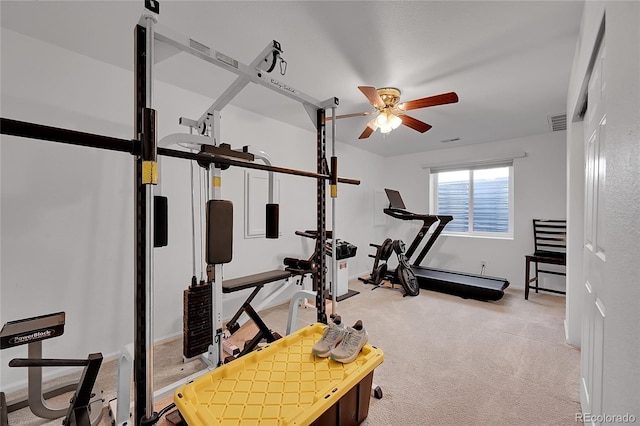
343 249
161 221
219 232
272 220
380 267
304 267
461 284
197 321
85 408
79 411
257 282
291 263
402 275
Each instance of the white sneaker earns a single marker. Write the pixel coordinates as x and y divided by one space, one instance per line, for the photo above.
333 335
355 338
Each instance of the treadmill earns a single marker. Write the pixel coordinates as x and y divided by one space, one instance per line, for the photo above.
468 286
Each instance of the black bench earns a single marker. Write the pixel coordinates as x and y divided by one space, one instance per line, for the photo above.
257 282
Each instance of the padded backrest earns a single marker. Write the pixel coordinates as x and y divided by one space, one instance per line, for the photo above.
550 236
219 248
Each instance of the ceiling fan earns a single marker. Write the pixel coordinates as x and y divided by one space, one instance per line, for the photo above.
391 113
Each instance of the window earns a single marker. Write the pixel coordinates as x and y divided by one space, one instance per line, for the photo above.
480 199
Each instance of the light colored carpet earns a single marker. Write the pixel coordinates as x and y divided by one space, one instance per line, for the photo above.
448 360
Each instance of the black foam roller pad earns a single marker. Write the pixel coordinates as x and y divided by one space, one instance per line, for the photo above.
291 262
219 232
273 221
160 221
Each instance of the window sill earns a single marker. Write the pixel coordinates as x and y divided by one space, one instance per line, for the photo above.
480 236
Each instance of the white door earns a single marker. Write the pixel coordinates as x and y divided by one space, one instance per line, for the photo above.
594 251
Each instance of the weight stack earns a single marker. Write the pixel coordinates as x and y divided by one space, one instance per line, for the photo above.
197 325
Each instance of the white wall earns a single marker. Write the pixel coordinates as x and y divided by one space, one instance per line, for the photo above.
621 382
619 290
67 212
539 188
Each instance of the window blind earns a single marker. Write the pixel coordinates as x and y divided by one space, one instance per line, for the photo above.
474 164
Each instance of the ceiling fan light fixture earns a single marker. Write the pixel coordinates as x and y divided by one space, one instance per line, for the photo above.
382 120
385 130
387 122
395 121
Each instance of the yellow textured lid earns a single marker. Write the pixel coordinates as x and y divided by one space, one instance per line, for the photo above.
280 384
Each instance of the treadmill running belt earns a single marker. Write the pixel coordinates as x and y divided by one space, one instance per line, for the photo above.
468 286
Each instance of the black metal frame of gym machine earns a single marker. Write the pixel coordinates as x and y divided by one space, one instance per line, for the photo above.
145 151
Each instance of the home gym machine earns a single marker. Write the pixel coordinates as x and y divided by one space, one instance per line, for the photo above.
85 407
145 150
462 284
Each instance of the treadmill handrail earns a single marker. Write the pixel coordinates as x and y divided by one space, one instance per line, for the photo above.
406 215
443 220
427 220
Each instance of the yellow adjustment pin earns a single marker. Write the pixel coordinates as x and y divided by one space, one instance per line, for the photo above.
334 191
217 181
149 172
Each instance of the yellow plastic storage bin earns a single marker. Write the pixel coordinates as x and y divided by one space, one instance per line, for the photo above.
282 384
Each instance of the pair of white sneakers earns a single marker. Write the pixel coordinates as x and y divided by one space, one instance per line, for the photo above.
341 343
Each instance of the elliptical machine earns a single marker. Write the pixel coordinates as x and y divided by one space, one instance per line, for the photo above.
402 275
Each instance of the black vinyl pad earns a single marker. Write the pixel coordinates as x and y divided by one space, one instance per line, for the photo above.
255 280
160 221
219 232
272 221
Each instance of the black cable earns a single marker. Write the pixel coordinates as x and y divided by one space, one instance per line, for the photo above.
273 62
166 409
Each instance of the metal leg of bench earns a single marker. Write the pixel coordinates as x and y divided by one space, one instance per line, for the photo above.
263 330
233 325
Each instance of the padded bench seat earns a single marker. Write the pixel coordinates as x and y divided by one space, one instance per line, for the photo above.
255 280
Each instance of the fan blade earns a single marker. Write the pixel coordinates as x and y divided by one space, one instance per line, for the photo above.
415 124
368 131
372 94
445 98
355 114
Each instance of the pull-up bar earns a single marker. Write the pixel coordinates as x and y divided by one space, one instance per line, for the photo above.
74 137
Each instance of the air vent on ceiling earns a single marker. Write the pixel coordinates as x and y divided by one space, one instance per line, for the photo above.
450 140
558 122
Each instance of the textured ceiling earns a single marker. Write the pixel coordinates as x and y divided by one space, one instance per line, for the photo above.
509 62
